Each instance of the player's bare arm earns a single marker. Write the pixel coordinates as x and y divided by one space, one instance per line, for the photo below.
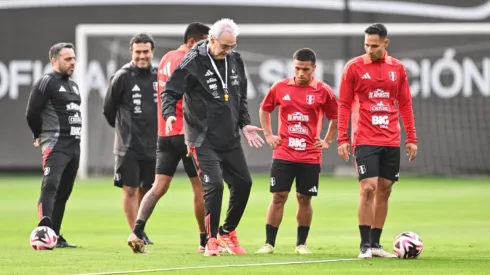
265 122
331 133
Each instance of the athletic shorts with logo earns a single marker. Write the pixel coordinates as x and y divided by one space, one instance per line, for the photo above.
377 161
170 151
283 173
134 172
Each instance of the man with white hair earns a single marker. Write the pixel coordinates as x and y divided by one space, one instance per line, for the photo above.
212 80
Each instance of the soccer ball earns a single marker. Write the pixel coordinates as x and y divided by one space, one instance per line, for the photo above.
408 245
43 238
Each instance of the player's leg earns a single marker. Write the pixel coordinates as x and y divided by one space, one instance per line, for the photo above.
388 175
165 166
237 176
207 163
307 181
63 193
282 176
127 177
147 176
54 163
198 198
367 163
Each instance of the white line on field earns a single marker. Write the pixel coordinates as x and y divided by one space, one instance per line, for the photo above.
217 266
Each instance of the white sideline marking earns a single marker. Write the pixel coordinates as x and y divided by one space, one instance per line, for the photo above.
217 266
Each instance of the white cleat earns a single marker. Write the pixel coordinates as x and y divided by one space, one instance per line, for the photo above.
365 253
302 250
266 249
380 252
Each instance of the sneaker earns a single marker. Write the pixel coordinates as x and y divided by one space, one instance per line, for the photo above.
366 252
266 249
136 244
62 243
229 243
146 239
378 251
302 249
212 248
45 221
201 249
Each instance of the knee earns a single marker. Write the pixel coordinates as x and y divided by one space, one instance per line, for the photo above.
50 184
130 191
279 198
367 189
303 200
384 191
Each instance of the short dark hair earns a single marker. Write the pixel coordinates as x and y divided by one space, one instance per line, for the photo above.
305 54
195 30
55 50
378 29
142 38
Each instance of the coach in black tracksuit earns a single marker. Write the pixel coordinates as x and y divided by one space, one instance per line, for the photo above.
53 115
213 117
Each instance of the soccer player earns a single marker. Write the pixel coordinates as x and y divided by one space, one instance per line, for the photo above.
130 106
171 148
53 115
303 100
375 87
212 80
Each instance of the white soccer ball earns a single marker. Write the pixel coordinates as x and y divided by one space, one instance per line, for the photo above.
408 245
43 238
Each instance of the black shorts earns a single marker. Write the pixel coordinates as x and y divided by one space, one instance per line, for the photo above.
170 150
133 172
283 173
377 161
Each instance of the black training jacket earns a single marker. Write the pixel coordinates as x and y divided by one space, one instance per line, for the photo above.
130 106
207 115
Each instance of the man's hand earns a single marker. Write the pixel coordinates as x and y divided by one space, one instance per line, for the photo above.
343 151
411 151
37 142
320 143
188 151
273 141
168 124
253 138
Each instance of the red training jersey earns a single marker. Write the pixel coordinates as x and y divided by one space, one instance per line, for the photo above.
167 66
372 89
301 110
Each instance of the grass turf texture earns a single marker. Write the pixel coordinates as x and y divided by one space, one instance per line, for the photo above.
450 215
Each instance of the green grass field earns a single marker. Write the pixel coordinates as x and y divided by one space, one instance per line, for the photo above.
451 216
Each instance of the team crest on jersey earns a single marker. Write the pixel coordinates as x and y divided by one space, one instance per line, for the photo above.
155 86
392 76
310 99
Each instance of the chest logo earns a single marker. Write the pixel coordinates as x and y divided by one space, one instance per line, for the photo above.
310 99
392 76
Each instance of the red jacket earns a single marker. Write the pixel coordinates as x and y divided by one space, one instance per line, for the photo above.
372 90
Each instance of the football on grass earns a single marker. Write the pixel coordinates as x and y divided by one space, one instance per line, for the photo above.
408 245
43 238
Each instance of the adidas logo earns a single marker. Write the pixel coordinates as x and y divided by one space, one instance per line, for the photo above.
366 76
313 190
62 89
286 97
209 73
136 88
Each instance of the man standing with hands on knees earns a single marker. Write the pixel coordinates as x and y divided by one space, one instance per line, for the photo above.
212 80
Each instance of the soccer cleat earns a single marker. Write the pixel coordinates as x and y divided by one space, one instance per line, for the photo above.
378 251
62 243
266 249
302 249
136 244
201 249
146 239
212 248
45 221
366 252
229 243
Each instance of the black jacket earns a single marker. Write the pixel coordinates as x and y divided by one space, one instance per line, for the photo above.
53 110
130 106
207 115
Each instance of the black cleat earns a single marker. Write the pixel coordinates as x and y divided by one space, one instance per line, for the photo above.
146 239
45 221
62 243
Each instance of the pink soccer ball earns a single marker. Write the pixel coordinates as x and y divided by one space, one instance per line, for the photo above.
408 245
43 238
